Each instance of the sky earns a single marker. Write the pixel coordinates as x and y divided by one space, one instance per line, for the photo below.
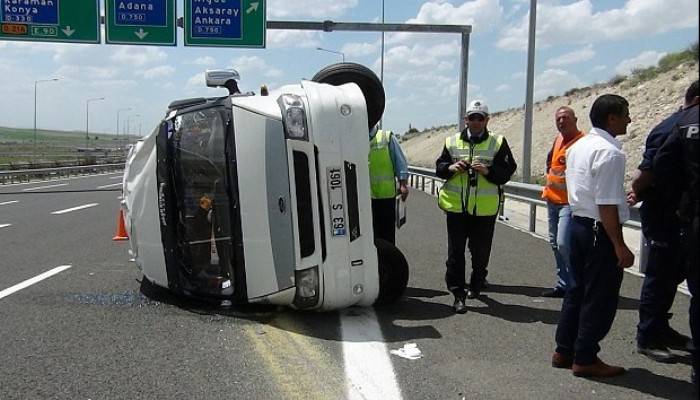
578 43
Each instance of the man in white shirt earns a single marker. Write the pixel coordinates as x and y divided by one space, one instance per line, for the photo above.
595 168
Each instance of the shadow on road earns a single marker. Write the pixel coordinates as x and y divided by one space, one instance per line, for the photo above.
624 303
515 312
647 382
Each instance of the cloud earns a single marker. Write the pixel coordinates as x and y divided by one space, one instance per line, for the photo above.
135 56
196 81
644 59
290 38
579 23
502 88
255 64
357 50
309 8
483 15
157 72
598 68
579 55
553 82
518 75
206 61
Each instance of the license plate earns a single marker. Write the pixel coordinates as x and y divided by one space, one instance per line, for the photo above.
336 199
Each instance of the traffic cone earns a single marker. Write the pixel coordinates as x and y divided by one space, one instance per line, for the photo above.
121 229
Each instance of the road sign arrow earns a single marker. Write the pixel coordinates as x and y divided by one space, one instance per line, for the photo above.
141 33
68 31
253 7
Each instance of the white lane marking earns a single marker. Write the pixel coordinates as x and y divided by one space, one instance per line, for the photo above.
368 368
9 202
44 187
5 225
118 177
67 210
32 281
112 185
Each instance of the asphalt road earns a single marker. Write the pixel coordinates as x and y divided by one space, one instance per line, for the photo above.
89 333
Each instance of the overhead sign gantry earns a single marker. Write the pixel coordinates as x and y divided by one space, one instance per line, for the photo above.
147 22
76 21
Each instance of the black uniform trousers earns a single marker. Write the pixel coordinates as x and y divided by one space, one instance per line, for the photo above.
590 304
665 271
384 219
478 231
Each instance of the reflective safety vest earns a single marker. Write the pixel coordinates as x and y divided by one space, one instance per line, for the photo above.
457 194
381 168
555 188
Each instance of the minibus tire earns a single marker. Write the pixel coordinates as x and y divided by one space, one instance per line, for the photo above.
393 273
369 83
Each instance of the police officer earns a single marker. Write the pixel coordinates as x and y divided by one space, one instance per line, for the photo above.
676 167
474 163
664 268
387 165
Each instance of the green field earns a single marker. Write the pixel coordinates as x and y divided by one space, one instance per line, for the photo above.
17 146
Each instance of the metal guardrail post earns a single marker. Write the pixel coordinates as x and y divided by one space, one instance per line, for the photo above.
533 217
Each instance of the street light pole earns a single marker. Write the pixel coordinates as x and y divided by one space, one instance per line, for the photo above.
128 125
332 51
381 71
118 112
35 84
87 120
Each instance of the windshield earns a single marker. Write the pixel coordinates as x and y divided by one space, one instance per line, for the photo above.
203 205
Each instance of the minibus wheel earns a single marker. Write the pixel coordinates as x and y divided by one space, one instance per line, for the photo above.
393 272
369 83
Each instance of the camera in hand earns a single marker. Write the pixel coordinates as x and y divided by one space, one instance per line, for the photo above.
472 175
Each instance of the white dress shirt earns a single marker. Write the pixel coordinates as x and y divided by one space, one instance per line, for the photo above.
595 175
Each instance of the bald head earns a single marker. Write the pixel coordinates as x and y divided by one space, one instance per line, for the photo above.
566 120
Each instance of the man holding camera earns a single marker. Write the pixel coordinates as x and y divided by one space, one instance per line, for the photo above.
474 164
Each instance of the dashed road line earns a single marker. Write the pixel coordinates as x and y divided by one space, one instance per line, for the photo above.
67 210
44 187
5 225
368 368
5 203
31 281
112 185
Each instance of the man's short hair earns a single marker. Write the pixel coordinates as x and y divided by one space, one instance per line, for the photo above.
606 105
692 92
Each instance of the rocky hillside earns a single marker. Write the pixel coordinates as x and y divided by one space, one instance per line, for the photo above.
650 102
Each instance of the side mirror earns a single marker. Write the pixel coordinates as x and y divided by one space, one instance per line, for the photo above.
227 78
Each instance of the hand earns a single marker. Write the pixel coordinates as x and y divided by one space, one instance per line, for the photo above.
459 166
403 189
632 198
625 258
483 169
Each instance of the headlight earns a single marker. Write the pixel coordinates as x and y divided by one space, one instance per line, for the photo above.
293 117
307 287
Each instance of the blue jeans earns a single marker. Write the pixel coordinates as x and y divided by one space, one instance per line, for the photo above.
559 219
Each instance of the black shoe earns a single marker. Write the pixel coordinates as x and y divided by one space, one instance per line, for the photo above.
657 352
459 306
556 292
473 293
676 340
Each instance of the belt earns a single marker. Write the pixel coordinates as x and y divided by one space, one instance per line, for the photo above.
587 221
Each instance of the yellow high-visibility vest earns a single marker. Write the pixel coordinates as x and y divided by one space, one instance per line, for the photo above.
457 195
381 168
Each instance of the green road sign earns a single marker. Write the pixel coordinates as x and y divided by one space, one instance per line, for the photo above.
150 22
75 21
225 23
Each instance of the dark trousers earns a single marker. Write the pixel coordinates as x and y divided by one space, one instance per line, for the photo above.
478 231
384 219
590 304
664 272
694 287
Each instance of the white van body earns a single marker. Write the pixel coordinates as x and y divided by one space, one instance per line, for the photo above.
276 232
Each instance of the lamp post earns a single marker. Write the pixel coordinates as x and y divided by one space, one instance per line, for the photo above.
332 51
381 68
117 132
87 119
35 84
128 125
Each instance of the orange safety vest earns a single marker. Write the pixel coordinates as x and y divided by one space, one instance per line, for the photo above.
555 188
